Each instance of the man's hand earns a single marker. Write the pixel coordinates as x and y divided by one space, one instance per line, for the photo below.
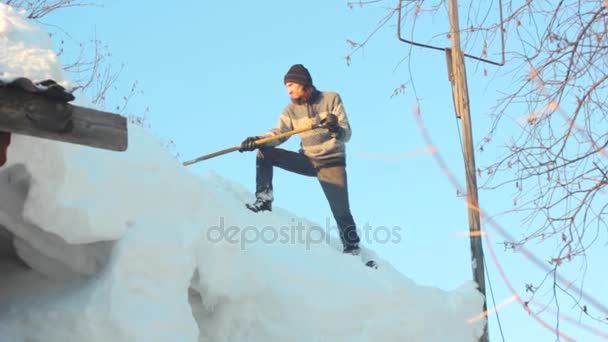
331 123
249 144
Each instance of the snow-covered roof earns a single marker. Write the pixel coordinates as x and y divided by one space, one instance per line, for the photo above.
49 88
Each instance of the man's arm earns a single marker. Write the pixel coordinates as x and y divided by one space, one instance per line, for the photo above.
283 125
338 109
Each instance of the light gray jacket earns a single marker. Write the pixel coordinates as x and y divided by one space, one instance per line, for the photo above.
318 144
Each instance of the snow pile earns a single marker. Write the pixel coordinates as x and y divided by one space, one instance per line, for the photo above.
130 246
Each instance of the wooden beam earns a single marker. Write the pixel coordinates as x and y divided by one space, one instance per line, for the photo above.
36 115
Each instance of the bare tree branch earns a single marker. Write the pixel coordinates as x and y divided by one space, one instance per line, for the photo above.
40 8
556 162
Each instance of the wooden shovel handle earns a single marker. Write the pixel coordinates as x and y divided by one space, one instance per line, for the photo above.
257 142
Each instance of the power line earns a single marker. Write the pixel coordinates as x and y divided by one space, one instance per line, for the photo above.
494 302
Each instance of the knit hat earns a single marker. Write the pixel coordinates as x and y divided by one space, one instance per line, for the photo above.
298 74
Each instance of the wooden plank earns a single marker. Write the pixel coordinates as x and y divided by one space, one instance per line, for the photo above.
22 112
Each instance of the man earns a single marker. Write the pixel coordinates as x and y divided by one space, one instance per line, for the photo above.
322 152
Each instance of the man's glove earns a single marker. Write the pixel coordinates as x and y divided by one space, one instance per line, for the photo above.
249 144
331 123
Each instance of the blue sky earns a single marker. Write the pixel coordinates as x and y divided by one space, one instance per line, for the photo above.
211 73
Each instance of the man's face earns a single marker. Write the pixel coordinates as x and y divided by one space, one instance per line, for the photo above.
295 90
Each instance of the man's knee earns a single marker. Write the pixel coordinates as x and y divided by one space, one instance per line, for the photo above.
266 152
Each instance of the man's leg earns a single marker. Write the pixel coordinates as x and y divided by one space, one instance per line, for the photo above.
335 186
266 160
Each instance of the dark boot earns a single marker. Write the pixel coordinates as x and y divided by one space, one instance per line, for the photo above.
355 250
260 205
351 249
372 264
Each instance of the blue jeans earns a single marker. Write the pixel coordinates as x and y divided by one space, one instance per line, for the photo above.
331 177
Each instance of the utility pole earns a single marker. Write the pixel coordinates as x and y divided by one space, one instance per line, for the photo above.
460 92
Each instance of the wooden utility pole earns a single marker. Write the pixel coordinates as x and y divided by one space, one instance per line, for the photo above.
460 93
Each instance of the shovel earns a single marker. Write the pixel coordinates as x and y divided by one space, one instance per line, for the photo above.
257 143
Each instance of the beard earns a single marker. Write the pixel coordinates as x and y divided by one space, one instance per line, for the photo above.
298 100
303 98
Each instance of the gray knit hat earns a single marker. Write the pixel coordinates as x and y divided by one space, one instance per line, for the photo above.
298 74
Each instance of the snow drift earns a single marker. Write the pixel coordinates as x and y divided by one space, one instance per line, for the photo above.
130 246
